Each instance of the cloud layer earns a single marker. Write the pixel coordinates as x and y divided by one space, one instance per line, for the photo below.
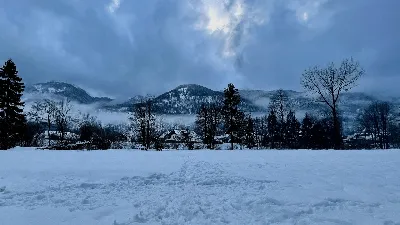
126 47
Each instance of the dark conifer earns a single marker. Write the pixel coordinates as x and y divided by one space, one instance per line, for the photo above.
250 140
230 112
12 119
306 132
292 131
272 129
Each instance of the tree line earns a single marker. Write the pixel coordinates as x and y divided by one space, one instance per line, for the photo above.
279 129
216 124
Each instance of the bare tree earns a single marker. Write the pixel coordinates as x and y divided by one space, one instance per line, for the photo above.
376 120
328 84
138 121
43 111
281 104
157 131
144 123
62 117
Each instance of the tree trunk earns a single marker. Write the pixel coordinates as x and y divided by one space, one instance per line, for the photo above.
337 139
231 131
48 128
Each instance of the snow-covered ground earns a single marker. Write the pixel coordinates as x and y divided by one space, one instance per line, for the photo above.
127 187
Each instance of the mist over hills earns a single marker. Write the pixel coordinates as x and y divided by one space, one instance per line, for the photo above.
186 100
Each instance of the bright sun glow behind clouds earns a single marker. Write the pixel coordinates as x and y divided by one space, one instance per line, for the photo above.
217 20
221 18
305 16
228 20
113 5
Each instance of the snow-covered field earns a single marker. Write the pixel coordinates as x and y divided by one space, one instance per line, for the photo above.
127 187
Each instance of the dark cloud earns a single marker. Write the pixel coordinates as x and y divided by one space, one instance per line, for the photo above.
137 47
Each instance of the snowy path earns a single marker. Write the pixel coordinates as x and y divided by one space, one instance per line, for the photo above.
199 187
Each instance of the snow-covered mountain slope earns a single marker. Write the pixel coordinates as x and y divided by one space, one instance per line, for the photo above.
60 90
187 99
127 105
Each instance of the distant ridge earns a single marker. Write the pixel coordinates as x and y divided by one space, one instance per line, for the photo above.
54 89
188 98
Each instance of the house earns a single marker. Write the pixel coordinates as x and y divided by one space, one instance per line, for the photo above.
359 140
178 136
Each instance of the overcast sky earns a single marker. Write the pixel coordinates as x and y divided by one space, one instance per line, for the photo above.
127 47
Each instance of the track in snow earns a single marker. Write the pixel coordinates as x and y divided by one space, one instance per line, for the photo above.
200 187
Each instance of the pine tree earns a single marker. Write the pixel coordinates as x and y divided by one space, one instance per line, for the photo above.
230 112
272 129
202 123
207 122
263 131
306 132
259 131
250 140
292 131
12 119
319 136
240 123
214 123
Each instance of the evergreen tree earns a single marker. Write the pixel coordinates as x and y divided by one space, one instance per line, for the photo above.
202 124
12 119
31 135
292 131
214 122
259 131
240 123
230 112
262 131
321 134
207 122
306 132
272 129
250 140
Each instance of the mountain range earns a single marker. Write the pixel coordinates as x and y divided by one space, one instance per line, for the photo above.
187 99
59 90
